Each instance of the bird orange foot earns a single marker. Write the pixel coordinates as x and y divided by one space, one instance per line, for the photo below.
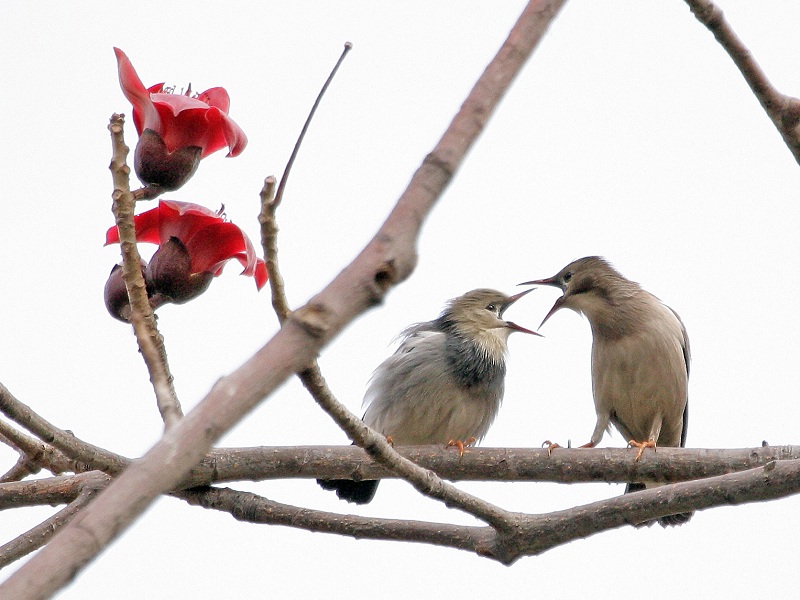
641 446
553 445
550 446
461 445
390 441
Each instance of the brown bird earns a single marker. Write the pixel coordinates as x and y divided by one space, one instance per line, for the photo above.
443 384
640 358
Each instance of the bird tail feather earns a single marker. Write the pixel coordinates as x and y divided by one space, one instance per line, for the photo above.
358 492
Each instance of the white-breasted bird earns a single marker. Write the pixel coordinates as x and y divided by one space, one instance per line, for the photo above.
640 358
443 384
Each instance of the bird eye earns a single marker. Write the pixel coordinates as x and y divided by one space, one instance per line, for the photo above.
567 276
492 307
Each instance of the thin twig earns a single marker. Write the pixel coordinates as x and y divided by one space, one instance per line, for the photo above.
41 455
269 241
38 536
387 260
21 469
92 457
783 110
151 343
285 178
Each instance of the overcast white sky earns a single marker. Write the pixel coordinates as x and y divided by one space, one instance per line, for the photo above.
629 134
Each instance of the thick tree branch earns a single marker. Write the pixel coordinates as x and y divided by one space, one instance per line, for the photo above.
534 534
783 110
387 260
150 341
538 534
611 465
252 508
777 475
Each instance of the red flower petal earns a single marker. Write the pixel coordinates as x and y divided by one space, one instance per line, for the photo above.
145 115
216 97
183 220
214 245
169 219
209 239
181 120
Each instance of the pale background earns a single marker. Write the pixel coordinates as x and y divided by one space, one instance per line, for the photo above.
629 134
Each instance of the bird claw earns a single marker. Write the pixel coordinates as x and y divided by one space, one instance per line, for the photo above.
641 446
550 446
461 445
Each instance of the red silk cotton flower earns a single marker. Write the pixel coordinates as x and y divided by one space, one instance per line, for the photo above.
175 130
194 245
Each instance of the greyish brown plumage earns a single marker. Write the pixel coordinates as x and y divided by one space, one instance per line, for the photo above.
443 384
640 357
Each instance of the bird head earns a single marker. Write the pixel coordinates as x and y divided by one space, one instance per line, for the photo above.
480 312
588 285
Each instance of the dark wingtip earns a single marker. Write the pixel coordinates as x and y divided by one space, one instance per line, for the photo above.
357 492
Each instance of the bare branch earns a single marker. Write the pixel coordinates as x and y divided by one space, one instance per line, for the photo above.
150 341
38 454
269 241
534 534
49 491
92 457
783 110
387 260
252 508
85 487
611 465
537 534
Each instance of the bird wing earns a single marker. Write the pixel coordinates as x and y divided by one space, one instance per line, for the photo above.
418 346
687 359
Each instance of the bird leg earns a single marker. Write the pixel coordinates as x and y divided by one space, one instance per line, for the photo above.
461 445
641 446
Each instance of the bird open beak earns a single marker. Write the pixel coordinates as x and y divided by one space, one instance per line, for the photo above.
555 282
549 281
556 305
515 327
511 324
516 297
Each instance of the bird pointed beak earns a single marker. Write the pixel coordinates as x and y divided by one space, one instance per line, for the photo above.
510 324
556 305
514 327
554 281
516 297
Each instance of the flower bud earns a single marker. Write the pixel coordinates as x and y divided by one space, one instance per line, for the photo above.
157 167
169 275
116 294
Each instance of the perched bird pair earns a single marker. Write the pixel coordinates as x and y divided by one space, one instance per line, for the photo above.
443 384
640 358
445 381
